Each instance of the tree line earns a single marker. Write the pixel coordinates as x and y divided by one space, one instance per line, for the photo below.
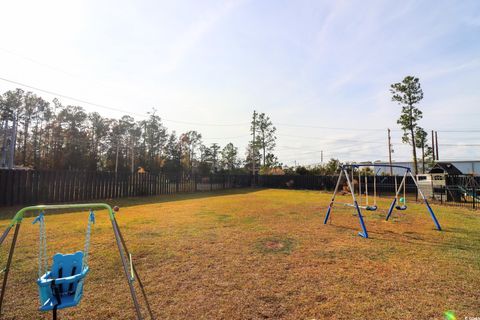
54 136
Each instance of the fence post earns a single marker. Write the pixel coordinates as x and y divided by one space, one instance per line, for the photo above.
176 182
474 195
211 182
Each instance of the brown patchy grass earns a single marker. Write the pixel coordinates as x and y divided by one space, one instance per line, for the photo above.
263 254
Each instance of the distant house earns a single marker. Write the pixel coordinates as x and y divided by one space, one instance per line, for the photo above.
434 183
445 168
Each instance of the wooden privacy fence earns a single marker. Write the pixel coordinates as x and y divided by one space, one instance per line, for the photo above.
26 187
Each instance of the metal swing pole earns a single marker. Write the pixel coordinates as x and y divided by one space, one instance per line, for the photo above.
333 197
359 212
125 268
432 214
396 195
5 234
9 261
359 187
136 274
366 190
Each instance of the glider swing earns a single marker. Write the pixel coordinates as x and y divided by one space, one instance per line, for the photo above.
367 206
61 285
357 203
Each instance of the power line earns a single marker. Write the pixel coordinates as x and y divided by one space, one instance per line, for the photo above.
329 139
226 138
329 128
111 108
71 98
459 131
459 145
39 63
196 123
117 109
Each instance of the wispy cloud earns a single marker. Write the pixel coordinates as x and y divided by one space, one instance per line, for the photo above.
446 70
197 32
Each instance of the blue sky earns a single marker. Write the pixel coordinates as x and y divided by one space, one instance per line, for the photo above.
314 64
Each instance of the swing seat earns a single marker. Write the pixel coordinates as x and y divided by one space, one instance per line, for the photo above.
62 286
401 208
371 208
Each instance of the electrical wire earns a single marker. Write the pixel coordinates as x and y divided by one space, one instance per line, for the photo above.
117 109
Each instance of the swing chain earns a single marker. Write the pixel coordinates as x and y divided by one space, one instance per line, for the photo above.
42 250
91 221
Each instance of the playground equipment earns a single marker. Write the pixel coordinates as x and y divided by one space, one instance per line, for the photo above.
367 206
357 204
403 200
472 193
61 285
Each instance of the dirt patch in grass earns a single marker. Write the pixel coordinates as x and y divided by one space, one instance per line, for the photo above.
275 245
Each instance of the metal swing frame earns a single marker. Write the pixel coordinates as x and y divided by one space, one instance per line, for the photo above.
364 232
128 266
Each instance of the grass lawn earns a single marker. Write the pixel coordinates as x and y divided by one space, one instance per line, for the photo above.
262 254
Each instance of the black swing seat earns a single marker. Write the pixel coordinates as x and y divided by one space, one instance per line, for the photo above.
62 286
371 208
401 207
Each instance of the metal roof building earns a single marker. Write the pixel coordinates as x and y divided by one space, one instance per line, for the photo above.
462 166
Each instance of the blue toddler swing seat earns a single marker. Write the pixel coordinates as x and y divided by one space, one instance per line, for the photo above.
61 286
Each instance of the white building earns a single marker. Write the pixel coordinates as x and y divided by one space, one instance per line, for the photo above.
465 166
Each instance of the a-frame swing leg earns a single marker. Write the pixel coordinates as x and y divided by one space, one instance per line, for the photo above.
333 198
137 277
9 260
364 232
397 192
5 234
434 218
125 268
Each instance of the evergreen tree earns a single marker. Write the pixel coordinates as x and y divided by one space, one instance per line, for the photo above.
229 160
265 138
408 94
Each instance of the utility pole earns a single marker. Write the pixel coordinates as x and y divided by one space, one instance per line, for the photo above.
13 142
133 156
433 147
321 157
253 146
390 152
423 155
436 143
3 161
116 159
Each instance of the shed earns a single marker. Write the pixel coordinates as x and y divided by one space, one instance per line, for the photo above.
445 168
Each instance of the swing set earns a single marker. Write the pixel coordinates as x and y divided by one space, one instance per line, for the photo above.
61 285
397 203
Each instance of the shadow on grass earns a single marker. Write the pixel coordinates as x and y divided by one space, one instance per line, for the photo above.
8 212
